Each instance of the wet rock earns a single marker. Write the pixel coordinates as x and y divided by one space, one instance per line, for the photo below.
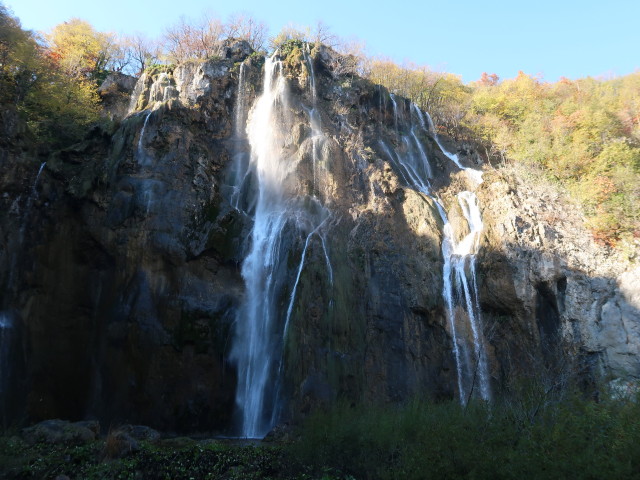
127 260
140 432
60 432
282 433
125 439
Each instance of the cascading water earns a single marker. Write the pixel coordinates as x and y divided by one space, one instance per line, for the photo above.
459 284
241 171
6 327
317 136
162 90
281 220
141 151
312 75
461 297
26 217
411 154
33 195
474 174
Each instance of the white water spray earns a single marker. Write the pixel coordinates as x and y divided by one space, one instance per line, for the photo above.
460 291
461 295
475 175
280 218
241 168
141 154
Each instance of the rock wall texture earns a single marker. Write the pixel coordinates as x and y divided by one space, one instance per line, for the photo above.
121 264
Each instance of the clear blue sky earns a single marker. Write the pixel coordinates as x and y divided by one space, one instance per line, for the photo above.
569 38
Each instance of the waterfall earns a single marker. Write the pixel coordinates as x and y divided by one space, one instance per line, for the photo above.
280 221
460 290
141 151
6 325
317 136
6 330
161 91
474 174
414 158
241 102
312 75
395 112
461 297
240 171
33 195
35 182
26 217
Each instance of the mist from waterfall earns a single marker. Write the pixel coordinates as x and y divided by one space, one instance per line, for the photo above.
282 221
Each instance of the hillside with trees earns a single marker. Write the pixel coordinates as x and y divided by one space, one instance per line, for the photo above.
229 253
581 134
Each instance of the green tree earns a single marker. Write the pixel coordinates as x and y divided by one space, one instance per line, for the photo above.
57 103
19 60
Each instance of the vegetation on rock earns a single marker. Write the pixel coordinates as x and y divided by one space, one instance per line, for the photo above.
584 134
527 436
52 88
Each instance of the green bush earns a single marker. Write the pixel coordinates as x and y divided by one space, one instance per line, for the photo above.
575 438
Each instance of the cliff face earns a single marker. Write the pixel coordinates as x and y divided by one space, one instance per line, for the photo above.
122 263
544 273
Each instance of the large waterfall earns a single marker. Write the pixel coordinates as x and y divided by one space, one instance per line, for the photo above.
282 221
460 290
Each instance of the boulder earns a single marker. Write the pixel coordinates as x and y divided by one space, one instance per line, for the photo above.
60 432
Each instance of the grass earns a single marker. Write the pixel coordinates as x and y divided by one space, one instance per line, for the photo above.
574 438
569 437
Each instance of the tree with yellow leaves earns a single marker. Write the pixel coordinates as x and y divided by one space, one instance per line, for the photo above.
80 50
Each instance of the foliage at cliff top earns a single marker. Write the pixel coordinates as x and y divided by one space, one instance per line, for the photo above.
585 133
58 105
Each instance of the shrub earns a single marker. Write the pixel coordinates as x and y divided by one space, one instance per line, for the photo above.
575 438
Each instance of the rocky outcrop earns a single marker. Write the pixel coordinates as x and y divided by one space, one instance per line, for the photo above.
123 260
115 94
545 279
124 278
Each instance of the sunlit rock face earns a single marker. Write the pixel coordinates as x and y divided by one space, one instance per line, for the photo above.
264 236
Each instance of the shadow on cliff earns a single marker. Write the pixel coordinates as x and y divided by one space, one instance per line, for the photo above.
125 335
114 316
127 283
542 314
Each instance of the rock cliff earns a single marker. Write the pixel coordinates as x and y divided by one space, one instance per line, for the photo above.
122 261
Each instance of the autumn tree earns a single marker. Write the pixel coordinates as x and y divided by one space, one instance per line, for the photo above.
488 79
19 65
81 51
57 102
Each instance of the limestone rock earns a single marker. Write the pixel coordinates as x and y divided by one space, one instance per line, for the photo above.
124 259
60 432
115 93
